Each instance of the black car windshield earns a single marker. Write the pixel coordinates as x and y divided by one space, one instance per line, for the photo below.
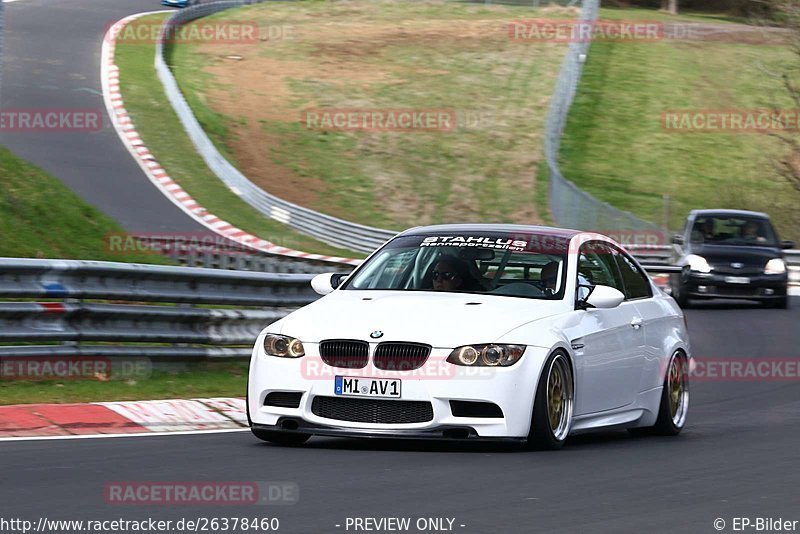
516 265
733 230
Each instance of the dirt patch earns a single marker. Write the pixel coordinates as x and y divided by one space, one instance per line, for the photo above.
341 54
270 81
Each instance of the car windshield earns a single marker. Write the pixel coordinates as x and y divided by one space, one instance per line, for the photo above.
515 265
733 230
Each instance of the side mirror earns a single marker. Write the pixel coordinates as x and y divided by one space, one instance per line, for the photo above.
604 297
787 244
677 239
326 282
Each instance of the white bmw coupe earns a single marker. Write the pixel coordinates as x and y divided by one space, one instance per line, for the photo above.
476 332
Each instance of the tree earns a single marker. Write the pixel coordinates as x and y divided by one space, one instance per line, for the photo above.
788 11
671 6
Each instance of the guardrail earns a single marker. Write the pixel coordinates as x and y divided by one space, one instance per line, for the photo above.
122 326
331 230
193 332
229 255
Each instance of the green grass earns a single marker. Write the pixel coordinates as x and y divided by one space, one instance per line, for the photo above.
42 218
663 16
615 146
212 379
385 55
160 128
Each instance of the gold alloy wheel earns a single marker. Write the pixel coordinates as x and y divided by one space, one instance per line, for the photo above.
559 397
554 400
678 390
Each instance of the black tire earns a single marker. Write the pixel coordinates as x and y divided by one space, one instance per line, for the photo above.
284 439
679 294
670 423
781 303
541 435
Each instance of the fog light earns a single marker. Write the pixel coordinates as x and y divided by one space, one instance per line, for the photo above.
769 291
702 289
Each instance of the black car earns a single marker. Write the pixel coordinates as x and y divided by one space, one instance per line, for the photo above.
730 254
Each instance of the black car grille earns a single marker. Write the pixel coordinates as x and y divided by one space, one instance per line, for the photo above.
736 291
372 411
344 353
401 356
728 270
283 399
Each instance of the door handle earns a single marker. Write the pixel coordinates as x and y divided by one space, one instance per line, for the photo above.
636 323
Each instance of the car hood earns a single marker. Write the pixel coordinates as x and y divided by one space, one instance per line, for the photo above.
442 320
753 256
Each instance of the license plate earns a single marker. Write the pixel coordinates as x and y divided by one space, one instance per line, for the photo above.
367 387
737 280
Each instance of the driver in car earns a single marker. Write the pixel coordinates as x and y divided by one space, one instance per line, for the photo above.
453 274
704 231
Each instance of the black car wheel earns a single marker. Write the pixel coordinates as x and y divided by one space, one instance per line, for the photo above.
679 294
781 303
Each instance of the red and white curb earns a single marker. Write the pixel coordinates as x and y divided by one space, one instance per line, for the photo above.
109 75
106 419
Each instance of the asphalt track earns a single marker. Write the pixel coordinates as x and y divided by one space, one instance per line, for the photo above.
52 61
738 456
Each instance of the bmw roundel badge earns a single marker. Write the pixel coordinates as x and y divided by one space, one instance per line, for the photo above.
376 334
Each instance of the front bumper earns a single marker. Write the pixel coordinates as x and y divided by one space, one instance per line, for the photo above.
719 286
291 425
512 389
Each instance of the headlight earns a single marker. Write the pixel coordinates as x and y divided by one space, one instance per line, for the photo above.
491 355
283 346
775 266
698 263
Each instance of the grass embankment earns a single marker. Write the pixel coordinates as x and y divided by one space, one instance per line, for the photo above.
379 56
616 148
42 218
211 379
161 130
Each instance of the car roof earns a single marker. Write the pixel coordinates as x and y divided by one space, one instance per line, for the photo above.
734 213
549 231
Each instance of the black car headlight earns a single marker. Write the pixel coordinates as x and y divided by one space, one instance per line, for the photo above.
490 355
283 346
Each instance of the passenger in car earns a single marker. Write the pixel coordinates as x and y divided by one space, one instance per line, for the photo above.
752 232
549 277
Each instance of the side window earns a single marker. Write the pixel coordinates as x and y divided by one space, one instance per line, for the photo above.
597 266
637 285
